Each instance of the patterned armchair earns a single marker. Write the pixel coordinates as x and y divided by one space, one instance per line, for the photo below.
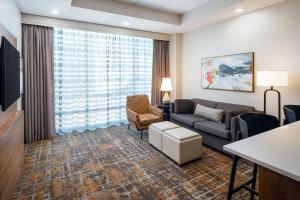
141 113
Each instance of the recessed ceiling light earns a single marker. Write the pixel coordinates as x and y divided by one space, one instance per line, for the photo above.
126 23
55 12
239 10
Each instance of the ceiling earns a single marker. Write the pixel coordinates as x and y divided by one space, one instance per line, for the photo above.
162 16
172 6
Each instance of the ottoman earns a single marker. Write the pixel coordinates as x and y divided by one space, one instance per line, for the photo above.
156 131
182 145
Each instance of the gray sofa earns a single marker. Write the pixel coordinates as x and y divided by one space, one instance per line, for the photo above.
214 134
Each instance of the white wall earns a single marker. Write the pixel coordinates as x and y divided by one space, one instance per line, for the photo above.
272 33
10 17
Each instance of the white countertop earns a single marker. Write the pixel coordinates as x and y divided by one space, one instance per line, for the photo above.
277 150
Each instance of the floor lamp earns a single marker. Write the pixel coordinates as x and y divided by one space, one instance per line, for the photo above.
272 79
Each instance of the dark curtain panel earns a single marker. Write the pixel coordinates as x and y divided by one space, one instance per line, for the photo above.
38 103
161 69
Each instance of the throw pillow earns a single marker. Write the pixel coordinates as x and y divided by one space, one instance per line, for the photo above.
209 113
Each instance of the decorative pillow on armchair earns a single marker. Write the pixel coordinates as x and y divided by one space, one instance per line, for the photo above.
209 113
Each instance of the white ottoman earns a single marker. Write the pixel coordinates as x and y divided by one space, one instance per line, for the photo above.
156 131
182 145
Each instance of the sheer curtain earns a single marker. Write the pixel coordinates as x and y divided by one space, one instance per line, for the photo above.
93 74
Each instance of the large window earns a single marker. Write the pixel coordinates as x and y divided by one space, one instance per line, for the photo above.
94 72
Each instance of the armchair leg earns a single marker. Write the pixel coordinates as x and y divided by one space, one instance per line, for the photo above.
128 126
141 134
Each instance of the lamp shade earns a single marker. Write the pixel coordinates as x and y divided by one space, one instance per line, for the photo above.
166 85
272 78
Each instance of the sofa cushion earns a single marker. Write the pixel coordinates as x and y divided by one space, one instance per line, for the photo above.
214 128
229 107
187 119
209 113
203 102
183 106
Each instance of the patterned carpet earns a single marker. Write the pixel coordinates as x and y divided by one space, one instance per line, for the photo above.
114 163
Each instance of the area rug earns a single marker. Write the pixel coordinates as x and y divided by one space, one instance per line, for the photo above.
113 163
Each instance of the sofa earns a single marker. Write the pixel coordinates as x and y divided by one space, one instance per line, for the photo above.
214 134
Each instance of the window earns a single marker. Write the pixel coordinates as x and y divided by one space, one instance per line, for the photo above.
94 73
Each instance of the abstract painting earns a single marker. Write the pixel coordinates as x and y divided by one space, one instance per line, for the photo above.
232 72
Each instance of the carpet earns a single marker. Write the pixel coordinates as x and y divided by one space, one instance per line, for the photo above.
113 163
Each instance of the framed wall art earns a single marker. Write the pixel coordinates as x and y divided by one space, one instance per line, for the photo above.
231 72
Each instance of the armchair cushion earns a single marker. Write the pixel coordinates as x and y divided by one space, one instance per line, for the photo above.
156 111
148 118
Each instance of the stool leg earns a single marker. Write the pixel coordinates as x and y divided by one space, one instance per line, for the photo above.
253 180
232 177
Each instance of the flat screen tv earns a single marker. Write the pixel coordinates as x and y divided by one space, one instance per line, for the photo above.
9 74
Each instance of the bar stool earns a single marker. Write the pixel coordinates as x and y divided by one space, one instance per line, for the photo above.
250 124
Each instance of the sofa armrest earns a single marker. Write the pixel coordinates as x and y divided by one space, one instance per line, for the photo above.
230 114
156 111
235 127
132 116
172 107
183 106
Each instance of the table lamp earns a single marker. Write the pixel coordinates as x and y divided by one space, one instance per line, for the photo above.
271 79
166 86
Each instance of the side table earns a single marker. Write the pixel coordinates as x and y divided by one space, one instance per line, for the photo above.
166 111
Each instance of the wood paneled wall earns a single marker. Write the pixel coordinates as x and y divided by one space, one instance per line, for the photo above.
11 139
11 153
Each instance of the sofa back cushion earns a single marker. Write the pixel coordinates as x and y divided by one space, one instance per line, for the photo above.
209 113
230 107
203 102
232 110
183 106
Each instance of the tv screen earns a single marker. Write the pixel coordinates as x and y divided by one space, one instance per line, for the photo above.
9 74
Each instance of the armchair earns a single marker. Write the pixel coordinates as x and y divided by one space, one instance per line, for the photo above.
140 113
292 113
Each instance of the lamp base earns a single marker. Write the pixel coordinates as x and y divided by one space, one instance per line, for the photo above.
166 99
279 101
